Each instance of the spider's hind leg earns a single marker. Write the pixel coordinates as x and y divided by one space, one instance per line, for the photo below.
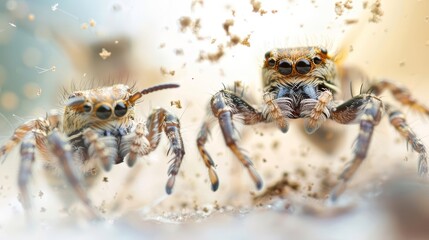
400 93
397 119
27 153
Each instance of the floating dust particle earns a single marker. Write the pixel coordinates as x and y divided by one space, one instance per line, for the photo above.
176 103
165 71
12 24
104 54
213 41
376 12
162 45
351 48
351 21
42 209
196 2
427 19
84 26
256 5
245 41
116 42
227 24
31 17
238 84
402 64
233 40
185 22
40 194
179 52
105 179
196 28
365 4
31 90
264 160
129 197
212 57
274 11
339 8
39 92
275 145
53 68
233 12
348 4
92 23
262 12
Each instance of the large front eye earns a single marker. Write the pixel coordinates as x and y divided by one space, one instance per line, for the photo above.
303 66
103 111
285 67
120 109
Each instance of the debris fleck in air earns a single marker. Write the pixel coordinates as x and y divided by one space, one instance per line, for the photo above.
104 54
176 103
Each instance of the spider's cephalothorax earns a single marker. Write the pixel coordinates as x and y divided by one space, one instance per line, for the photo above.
98 128
303 83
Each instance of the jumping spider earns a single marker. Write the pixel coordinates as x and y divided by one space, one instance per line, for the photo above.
304 82
97 129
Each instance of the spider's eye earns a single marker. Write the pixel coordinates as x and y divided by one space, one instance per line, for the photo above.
324 51
317 60
271 62
285 67
120 109
103 111
267 54
87 107
303 66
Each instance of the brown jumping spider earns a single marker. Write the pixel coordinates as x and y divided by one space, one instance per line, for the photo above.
97 129
304 83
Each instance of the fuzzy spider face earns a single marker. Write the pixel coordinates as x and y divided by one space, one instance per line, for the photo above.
294 65
113 105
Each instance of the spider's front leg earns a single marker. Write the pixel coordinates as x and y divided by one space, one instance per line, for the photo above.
367 110
224 105
160 120
60 147
31 135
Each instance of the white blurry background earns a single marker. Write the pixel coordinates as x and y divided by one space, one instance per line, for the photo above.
145 36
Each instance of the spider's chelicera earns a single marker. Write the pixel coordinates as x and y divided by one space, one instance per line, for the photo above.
97 128
304 83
